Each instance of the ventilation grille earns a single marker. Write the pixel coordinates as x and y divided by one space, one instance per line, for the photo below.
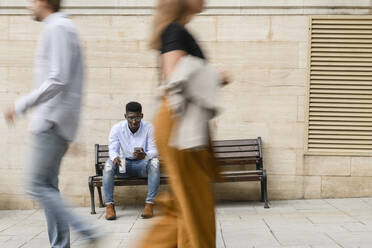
340 111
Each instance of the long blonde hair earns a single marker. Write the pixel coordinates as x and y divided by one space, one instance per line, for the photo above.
167 11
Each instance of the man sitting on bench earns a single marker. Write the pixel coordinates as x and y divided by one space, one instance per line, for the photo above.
133 153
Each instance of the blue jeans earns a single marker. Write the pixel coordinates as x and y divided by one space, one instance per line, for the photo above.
47 151
134 168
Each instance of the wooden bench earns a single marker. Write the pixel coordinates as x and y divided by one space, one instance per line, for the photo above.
230 153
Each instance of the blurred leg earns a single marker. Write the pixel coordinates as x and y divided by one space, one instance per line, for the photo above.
47 150
189 213
164 233
192 190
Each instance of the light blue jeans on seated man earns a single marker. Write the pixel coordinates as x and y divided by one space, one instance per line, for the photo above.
47 151
144 168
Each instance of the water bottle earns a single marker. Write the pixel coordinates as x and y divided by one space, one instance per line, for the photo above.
122 167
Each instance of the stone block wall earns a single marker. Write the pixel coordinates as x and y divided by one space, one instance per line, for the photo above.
263 44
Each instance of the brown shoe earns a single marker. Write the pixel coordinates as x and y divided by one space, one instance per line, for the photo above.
148 212
110 212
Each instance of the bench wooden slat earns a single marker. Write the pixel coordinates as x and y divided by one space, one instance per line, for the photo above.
227 162
231 162
219 143
221 160
163 180
142 182
233 155
102 159
129 178
217 149
220 155
242 142
250 172
242 178
225 174
222 149
97 181
102 147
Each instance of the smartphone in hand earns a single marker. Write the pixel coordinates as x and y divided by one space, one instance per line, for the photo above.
139 153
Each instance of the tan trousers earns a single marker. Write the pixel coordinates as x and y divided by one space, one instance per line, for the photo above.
188 207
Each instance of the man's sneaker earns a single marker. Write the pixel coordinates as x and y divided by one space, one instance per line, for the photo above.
110 212
148 212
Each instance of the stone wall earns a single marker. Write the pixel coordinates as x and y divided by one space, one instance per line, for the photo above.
263 44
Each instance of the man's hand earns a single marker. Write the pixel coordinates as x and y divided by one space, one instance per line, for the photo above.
117 161
139 155
10 115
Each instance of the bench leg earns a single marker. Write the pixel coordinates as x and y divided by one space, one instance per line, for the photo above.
264 190
101 205
91 189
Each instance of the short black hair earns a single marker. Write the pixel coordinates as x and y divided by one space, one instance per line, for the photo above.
133 107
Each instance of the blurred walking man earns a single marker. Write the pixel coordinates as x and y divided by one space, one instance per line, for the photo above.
57 100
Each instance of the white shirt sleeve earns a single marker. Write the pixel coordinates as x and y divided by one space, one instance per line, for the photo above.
59 69
114 143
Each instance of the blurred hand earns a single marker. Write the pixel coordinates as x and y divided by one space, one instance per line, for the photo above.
117 161
226 79
10 115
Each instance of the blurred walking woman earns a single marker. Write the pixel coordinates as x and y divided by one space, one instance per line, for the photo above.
181 130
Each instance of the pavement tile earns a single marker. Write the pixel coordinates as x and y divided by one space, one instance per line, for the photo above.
15 242
303 205
106 242
357 227
254 222
37 243
353 239
334 219
349 203
299 238
22 230
242 238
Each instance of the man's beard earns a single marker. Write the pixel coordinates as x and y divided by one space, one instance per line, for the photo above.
134 128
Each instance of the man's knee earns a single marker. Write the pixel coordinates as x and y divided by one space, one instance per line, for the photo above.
109 167
154 164
32 190
35 188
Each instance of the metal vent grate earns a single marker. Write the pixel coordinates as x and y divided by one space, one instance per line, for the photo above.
340 95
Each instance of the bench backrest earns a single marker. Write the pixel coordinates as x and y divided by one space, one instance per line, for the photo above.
239 152
102 154
228 152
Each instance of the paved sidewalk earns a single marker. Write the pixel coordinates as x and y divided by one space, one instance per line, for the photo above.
299 223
